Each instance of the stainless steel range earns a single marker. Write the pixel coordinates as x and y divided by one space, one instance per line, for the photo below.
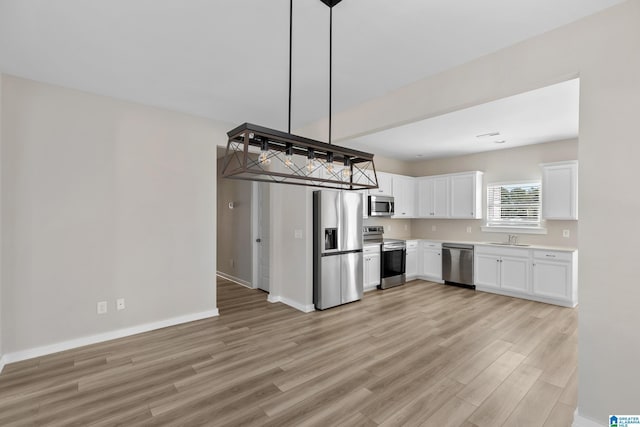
393 257
394 263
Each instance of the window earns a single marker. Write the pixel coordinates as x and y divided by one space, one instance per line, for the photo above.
513 205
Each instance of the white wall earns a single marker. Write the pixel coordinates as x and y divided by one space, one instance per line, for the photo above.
2 321
291 209
102 199
603 51
508 165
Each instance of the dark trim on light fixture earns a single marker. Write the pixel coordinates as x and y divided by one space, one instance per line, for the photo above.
331 3
249 138
244 141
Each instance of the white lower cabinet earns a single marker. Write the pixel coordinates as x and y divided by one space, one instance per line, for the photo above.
371 265
412 260
547 276
554 275
514 273
487 270
431 261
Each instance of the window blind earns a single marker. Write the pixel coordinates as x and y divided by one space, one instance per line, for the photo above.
513 204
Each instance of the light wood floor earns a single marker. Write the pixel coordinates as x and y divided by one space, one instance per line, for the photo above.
419 355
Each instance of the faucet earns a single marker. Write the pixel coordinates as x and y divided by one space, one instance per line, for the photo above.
513 239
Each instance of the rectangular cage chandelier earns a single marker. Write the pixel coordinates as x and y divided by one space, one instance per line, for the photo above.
257 153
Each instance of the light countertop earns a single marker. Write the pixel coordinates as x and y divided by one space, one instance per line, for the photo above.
533 246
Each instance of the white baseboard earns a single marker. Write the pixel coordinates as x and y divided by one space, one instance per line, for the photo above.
272 298
2 363
234 279
430 279
106 336
579 421
303 308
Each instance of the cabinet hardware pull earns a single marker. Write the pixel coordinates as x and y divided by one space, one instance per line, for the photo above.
550 256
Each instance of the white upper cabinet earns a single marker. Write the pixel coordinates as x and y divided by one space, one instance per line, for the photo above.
404 194
450 196
560 190
385 185
466 195
433 197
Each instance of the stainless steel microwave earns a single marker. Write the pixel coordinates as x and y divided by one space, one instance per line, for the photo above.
381 206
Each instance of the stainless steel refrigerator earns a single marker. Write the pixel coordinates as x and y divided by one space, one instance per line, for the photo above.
337 248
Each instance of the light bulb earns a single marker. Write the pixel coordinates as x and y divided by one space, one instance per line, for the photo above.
263 158
329 162
288 155
311 160
288 161
311 165
330 167
346 171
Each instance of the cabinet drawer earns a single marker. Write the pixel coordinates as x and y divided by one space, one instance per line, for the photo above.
411 244
371 249
502 251
553 255
431 245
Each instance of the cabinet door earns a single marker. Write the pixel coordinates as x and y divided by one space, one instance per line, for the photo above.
440 203
374 270
463 196
432 263
432 196
412 263
560 191
385 185
404 195
487 270
514 274
552 279
425 198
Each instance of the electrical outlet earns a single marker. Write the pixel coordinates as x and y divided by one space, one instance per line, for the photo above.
468 229
297 234
406 227
433 228
102 307
566 233
231 263
120 304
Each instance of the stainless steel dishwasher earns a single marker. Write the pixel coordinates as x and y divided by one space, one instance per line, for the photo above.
457 264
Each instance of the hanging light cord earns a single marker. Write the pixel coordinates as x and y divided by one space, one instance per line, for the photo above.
330 64
290 56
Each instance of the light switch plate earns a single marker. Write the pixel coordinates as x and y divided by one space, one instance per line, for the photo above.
468 229
433 228
120 304
102 307
297 234
566 233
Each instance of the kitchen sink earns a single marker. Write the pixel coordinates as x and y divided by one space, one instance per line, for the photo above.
509 244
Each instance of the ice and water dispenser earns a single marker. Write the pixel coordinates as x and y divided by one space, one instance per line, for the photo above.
330 239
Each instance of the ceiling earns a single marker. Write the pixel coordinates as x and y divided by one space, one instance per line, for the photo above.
542 115
228 60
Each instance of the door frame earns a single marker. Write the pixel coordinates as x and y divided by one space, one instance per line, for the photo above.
256 212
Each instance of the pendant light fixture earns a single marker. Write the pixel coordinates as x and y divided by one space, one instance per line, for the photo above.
258 153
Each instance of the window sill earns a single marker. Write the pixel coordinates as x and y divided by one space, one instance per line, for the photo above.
514 230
